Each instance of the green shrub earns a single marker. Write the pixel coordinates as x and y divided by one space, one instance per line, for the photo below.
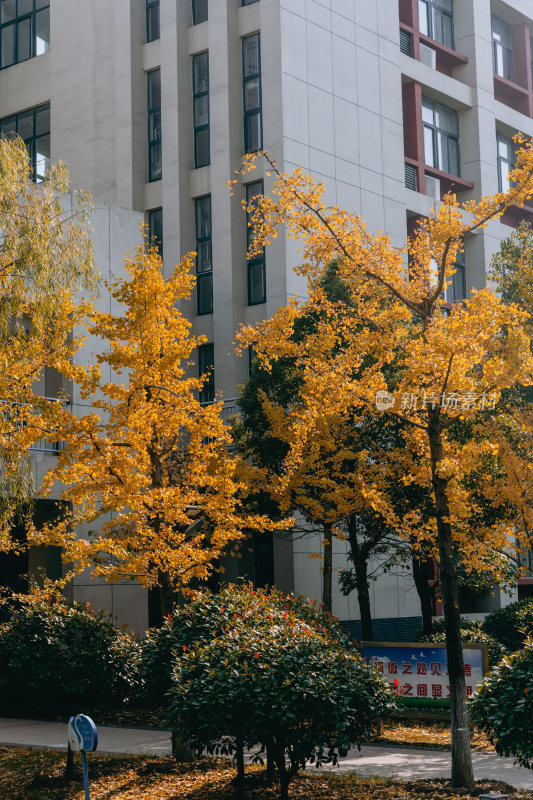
503 707
267 676
471 632
205 615
61 659
511 624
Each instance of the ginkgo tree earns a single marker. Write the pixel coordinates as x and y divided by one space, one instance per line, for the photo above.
150 457
450 364
45 257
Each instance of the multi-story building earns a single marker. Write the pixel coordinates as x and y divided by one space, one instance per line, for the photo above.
152 103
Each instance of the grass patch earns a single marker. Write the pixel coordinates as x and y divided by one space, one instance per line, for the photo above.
38 775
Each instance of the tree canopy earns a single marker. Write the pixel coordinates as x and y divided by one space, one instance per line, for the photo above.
148 471
450 364
46 256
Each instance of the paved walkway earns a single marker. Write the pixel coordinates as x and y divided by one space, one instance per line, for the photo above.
403 763
53 736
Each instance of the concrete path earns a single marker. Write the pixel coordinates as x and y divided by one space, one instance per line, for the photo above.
53 736
406 763
403 763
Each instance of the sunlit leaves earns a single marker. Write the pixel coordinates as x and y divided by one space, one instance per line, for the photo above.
149 459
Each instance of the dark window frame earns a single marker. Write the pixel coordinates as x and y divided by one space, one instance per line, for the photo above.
456 291
434 6
155 142
197 97
197 16
151 34
40 8
258 262
249 113
30 141
203 276
507 53
155 229
206 361
501 160
437 131
248 2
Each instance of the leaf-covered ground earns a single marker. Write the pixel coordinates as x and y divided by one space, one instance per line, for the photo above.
426 734
38 775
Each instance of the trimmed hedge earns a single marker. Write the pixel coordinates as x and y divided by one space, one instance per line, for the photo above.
511 624
61 659
503 707
204 616
267 676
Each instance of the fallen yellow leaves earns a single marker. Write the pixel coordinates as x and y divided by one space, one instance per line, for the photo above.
38 775
427 734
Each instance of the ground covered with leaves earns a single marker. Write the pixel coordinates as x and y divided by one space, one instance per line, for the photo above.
38 775
426 734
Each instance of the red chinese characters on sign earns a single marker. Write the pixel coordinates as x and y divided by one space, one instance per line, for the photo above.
428 663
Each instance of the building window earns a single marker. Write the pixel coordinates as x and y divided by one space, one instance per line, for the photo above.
456 291
24 30
256 265
253 364
155 229
206 366
251 77
248 2
435 19
200 89
502 49
506 161
204 260
152 20
155 159
199 11
34 127
441 137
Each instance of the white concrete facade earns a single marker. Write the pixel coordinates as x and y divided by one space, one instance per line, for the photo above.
332 78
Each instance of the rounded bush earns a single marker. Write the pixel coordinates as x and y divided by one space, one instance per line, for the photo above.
206 614
471 632
511 624
61 659
267 676
503 706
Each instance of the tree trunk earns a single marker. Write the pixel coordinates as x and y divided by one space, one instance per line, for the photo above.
363 597
239 757
360 565
279 756
166 595
328 569
270 764
421 573
462 773
69 766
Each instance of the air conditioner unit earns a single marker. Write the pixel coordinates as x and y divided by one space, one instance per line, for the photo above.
433 188
428 56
